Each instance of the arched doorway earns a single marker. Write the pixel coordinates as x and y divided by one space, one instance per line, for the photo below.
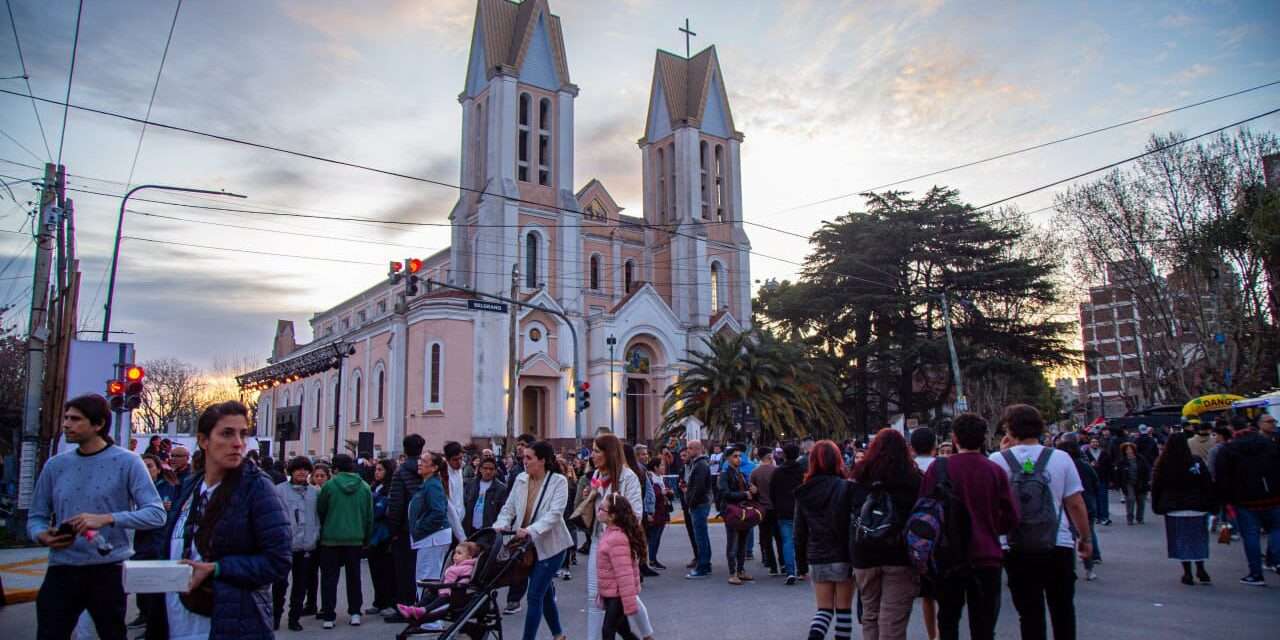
636 408
533 411
643 369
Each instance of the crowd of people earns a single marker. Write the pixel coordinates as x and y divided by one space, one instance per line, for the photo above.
873 529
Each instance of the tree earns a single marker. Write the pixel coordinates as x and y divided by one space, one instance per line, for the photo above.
1190 233
171 392
13 378
870 301
790 393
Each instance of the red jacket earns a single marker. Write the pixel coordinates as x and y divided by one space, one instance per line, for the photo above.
617 572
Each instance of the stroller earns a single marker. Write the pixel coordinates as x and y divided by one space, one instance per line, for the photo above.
474 609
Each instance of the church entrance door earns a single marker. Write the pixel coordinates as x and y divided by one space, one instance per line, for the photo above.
637 399
533 411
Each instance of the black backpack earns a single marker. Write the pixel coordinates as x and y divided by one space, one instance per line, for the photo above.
875 526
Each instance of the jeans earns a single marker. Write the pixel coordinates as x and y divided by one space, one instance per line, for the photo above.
542 596
333 559
769 539
981 592
735 550
1135 503
653 535
887 595
300 574
1104 501
406 566
1251 523
1039 580
787 532
699 517
69 591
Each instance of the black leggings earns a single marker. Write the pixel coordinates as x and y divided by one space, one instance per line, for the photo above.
615 621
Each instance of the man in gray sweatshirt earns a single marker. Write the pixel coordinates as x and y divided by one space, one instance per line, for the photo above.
99 488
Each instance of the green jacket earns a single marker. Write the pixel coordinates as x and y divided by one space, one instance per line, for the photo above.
345 508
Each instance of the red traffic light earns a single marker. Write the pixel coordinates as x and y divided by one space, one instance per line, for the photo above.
584 385
115 387
415 265
396 266
134 373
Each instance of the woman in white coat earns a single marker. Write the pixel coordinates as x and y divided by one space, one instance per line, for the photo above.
535 509
611 476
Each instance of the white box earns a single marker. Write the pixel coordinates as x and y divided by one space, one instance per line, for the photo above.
156 576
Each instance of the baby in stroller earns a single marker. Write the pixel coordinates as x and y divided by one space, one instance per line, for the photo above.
434 602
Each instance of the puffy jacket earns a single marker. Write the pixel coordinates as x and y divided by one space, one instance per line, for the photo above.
381 531
251 544
822 520
1189 489
300 508
428 510
457 573
346 511
782 489
1247 470
404 484
617 574
902 493
697 490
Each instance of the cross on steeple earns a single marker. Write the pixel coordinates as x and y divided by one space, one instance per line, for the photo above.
687 33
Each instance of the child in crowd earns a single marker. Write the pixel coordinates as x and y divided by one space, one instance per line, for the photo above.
618 565
435 602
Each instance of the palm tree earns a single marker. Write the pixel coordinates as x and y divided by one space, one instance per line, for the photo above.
791 393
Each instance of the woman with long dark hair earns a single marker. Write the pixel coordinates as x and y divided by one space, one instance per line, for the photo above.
230 527
382 570
535 509
822 539
1182 492
428 520
887 583
611 476
646 497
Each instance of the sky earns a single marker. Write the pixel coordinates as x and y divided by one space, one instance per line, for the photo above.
834 97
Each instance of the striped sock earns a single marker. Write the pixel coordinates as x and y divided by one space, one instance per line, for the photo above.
821 622
844 624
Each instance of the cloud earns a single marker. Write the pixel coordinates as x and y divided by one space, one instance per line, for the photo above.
1176 21
448 22
1194 72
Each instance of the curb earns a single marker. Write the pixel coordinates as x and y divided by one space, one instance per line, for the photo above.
20 596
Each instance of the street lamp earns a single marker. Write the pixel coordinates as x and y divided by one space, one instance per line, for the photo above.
115 253
612 342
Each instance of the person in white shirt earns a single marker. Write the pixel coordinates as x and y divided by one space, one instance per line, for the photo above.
923 445
1044 578
457 502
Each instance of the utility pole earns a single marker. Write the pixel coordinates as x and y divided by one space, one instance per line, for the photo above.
962 404
512 361
37 338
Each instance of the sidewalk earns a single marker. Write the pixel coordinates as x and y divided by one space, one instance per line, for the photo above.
22 571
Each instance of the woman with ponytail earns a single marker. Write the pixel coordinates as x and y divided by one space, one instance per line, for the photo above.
230 527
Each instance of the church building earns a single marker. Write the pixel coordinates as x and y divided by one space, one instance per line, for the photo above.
641 291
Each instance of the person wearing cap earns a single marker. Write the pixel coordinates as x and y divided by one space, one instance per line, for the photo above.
1147 446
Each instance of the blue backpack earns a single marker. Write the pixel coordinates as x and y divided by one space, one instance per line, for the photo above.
938 530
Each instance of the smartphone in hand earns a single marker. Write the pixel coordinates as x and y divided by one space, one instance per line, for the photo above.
65 529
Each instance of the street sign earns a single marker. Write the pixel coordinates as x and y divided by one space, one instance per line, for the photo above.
485 305
1220 338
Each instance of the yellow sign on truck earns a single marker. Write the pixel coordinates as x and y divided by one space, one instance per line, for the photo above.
1211 403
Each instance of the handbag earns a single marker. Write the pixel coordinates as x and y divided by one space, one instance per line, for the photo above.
528 553
584 516
741 516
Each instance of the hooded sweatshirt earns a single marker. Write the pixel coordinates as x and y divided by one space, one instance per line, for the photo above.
346 511
822 520
300 510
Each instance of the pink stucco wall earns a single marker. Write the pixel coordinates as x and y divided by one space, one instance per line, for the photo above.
455 420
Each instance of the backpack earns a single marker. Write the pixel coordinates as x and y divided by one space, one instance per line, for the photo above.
875 525
938 530
1037 529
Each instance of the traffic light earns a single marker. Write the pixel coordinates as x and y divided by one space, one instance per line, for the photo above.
584 395
393 274
414 266
133 375
115 394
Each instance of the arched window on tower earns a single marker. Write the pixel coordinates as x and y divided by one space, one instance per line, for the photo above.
595 273
704 160
531 260
671 181
482 144
628 276
522 151
715 287
722 185
660 170
544 142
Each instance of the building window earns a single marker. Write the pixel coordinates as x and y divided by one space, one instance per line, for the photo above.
628 276
531 261
715 287
482 144
722 185
361 316
544 142
356 389
336 403
435 375
595 273
319 406
382 306
662 185
346 323
522 152
380 386
671 181
704 160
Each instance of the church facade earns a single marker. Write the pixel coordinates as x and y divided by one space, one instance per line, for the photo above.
642 291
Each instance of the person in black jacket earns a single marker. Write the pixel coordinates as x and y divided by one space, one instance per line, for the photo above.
404 484
734 490
1247 476
1182 492
1070 443
822 539
697 494
887 583
1133 474
782 488
483 497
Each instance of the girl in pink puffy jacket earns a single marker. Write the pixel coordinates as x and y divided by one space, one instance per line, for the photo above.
432 608
617 565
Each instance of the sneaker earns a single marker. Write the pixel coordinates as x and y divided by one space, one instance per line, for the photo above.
791 580
294 625
696 575
328 624
434 625
657 565
773 573
1253 581
1107 522
373 611
389 611
141 620
567 575
1268 567
355 620
734 580
1091 576
409 612
512 608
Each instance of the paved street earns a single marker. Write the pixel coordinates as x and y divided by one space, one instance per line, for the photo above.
1138 597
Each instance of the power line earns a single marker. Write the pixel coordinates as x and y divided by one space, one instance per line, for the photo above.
1031 148
71 73
137 152
20 145
27 78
